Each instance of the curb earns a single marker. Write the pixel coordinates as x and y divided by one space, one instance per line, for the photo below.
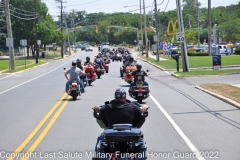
24 69
175 75
225 99
153 64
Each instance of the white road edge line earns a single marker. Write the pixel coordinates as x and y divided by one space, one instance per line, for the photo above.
6 77
180 132
32 79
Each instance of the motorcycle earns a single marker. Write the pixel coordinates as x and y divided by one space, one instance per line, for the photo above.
106 64
121 142
91 74
139 91
98 70
128 77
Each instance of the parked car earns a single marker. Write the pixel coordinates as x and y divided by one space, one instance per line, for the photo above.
83 47
89 48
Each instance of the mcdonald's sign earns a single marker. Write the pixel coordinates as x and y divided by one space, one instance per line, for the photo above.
173 27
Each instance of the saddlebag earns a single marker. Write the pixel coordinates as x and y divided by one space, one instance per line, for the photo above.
122 133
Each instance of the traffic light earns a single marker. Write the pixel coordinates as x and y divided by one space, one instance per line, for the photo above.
96 28
108 29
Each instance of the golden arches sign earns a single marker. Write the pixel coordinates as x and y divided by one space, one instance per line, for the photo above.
173 26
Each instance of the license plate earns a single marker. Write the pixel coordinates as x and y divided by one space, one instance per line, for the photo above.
139 85
88 73
74 88
140 93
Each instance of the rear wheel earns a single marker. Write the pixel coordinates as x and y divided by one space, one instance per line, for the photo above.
106 71
139 100
89 83
74 95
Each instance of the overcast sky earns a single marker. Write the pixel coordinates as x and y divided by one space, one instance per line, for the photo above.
111 6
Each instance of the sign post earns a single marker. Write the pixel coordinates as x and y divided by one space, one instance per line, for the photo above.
23 42
54 46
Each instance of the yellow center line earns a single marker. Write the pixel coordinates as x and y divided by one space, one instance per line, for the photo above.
45 131
27 140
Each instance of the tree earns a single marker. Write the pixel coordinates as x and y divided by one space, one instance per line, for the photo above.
230 30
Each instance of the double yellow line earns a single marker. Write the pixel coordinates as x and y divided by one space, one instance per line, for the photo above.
44 132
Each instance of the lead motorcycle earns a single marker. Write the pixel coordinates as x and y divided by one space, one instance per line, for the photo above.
121 142
74 89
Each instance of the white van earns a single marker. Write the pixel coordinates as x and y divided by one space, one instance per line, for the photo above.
222 48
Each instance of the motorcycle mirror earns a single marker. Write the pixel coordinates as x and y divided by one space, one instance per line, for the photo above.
64 68
147 70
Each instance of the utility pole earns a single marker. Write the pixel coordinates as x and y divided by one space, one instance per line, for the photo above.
66 27
62 28
209 29
198 22
73 26
146 39
36 33
9 32
141 24
156 25
183 44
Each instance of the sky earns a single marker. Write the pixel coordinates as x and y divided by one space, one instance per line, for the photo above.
111 6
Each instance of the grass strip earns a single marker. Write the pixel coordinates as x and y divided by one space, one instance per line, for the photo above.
225 90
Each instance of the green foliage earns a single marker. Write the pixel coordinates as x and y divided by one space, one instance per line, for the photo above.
93 43
237 51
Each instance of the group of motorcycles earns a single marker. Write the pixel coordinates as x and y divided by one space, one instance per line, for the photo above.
92 71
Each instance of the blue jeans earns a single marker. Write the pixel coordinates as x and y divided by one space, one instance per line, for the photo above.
101 65
79 82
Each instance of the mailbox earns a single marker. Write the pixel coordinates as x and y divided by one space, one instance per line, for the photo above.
176 57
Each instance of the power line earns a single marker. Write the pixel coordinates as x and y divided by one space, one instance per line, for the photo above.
21 10
21 13
23 18
49 28
166 6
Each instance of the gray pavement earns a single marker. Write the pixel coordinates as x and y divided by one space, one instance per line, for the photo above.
211 125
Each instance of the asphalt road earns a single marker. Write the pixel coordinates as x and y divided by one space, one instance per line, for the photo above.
36 115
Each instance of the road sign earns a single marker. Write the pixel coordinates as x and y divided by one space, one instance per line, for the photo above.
54 43
180 37
155 38
48 46
23 42
39 42
9 42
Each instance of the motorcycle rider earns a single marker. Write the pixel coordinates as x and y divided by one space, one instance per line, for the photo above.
129 61
120 111
87 61
98 61
139 71
79 64
74 73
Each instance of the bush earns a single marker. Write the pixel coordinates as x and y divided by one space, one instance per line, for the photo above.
1 53
93 43
237 51
194 53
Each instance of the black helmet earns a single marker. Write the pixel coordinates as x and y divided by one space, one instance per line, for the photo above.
87 58
79 61
139 66
74 63
131 59
98 56
120 93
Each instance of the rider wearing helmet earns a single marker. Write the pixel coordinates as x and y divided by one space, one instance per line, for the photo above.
98 61
139 71
120 111
87 61
74 73
129 61
79 64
